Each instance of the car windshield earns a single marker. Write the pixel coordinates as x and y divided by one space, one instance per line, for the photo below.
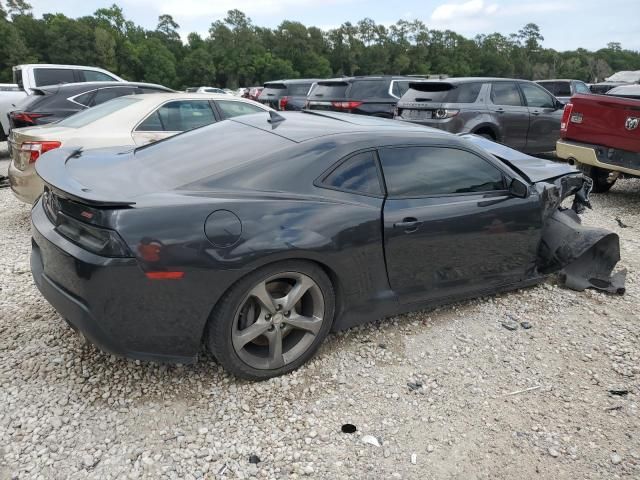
631 77
365 89
298 89
90 115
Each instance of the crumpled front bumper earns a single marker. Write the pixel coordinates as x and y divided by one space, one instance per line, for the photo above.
584 257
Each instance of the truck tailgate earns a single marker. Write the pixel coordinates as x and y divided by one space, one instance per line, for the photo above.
604 120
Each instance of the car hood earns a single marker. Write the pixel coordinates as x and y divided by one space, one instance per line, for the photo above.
531 168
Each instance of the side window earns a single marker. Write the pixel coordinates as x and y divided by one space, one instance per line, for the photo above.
179 116
505 93
399 87
421 171
357 174
53 76
151 124
537 96
93 76
142 90
563 89
582 88
106 94
232 108
85 98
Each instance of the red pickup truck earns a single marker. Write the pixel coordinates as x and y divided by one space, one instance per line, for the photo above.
601 135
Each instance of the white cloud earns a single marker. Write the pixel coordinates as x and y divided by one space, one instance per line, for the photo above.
448 12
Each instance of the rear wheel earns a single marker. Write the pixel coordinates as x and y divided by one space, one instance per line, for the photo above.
602 180
273 320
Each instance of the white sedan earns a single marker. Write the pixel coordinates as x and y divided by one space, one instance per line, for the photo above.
133 120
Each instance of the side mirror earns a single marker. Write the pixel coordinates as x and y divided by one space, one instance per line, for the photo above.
518 188
559 105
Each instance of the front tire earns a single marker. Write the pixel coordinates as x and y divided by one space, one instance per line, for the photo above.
273 320
601 181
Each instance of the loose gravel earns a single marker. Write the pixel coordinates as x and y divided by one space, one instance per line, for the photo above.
539 383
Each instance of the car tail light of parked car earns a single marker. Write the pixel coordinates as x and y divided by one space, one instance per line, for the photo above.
26 119
282 103
568 116
346 105
29 152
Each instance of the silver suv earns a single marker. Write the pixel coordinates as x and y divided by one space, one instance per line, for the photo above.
517 113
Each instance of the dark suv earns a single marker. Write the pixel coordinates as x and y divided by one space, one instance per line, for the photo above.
376 96
53 103
287 94
518 113
564 89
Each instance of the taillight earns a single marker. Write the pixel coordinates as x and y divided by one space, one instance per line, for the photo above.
346 105
566 114
445 113
101 241
31 151
282 103
27 117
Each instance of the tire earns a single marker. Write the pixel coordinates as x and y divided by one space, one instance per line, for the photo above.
600 177
243 333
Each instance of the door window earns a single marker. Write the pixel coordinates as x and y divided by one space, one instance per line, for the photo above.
582 88
53 76
357 174
537 96
423 171
505 93
232 108
178 116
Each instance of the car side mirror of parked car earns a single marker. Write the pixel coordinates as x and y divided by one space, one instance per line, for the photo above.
518 188
559 105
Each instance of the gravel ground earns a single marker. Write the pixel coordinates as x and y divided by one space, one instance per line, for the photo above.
435 389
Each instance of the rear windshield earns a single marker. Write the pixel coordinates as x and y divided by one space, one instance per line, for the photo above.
273 90
154 167
442 92
559 89
90 115
361 89
298 89
330 90
53 76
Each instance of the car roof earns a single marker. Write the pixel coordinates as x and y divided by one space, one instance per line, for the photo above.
558 80
311 124
470 79
294 81
86 86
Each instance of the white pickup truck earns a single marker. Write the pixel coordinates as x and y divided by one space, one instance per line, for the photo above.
28 77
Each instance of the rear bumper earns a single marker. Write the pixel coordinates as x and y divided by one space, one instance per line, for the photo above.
26 185
598 156
110 301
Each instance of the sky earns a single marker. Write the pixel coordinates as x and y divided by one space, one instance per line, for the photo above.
565 24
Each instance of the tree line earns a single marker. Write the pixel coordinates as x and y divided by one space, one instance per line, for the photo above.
237 52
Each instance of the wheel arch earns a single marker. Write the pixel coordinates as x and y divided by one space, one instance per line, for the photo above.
334 278
487 128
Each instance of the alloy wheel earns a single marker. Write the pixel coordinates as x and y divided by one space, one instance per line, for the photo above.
278 320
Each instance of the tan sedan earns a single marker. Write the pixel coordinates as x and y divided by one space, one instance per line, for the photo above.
125 121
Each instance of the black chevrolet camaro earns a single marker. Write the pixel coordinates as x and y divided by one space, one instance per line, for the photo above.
257 236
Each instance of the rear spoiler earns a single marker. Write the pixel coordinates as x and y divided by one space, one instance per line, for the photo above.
53 172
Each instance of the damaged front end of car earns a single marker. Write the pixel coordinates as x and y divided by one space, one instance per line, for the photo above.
582 256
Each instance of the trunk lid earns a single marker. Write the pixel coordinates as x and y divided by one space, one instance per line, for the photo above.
609 121
20 136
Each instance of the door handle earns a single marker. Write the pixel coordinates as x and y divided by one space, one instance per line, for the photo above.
499 110
409 224
535 112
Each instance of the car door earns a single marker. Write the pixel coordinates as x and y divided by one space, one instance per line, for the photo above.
510 113
451 227
172 118
544 118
